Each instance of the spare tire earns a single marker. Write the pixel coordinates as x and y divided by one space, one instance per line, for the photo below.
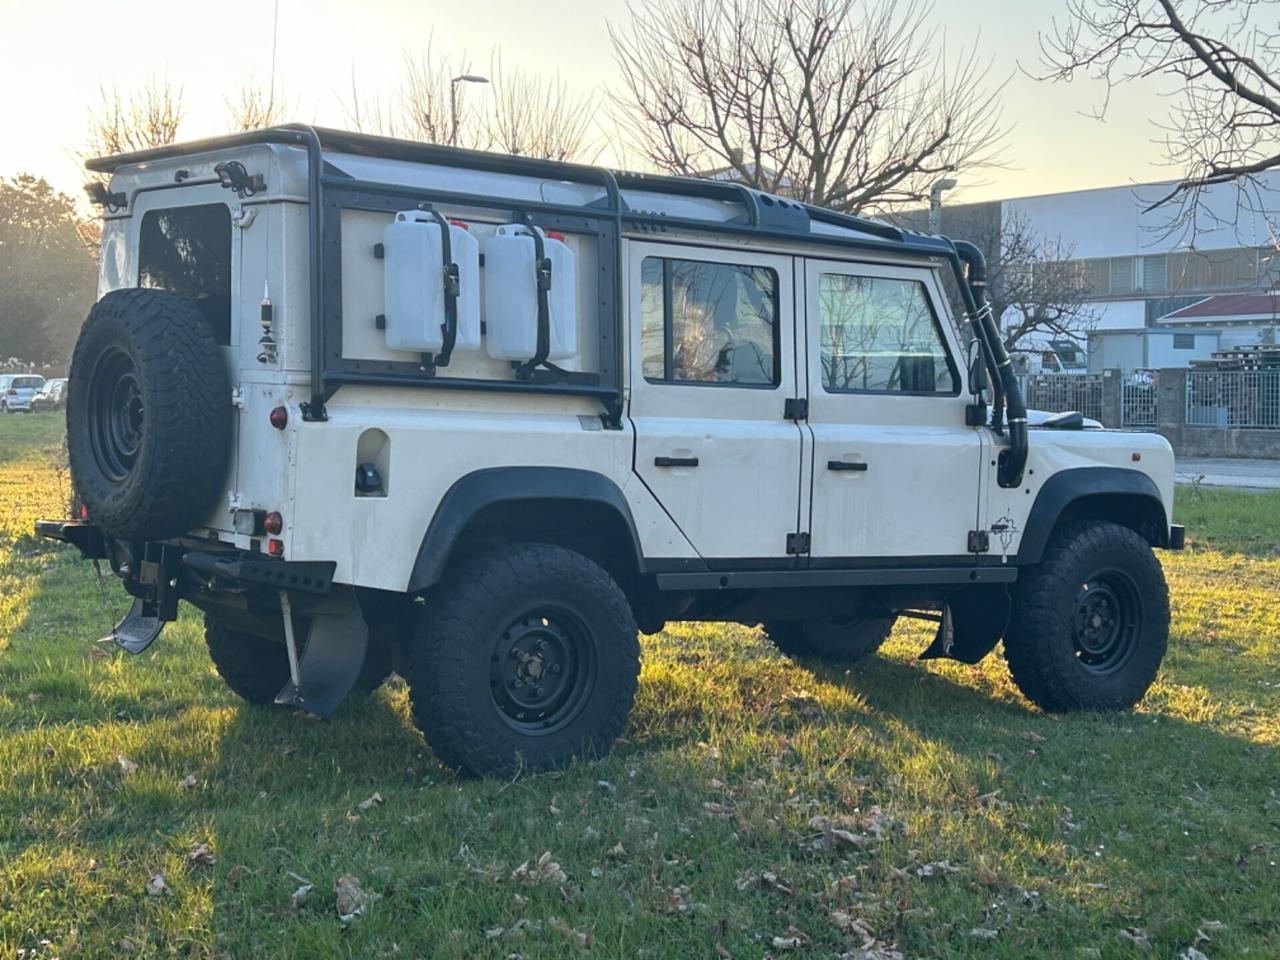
148 415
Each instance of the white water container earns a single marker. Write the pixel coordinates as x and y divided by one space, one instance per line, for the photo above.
413 261
511 295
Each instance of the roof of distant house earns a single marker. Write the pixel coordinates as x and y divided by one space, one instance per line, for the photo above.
1230 306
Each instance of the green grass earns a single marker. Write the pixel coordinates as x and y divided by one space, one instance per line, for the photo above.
1059 833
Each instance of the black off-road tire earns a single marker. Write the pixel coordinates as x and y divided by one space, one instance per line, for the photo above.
1090 622
148 415
833 639
559 625
255 668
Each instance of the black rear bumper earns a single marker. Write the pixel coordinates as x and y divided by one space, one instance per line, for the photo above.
202 572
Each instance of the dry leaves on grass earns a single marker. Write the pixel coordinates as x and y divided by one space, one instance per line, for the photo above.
369 804
792 939
201 854
351 901
766 880
545 870
939 868
1137 937
188 782
127 766
853 830
156 887
583 938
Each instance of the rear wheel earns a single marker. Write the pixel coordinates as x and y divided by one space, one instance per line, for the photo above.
1090 622
835 639
526 657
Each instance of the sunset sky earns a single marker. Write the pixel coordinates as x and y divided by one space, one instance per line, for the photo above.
61 52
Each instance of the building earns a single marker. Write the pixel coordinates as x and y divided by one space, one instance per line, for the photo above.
1158 294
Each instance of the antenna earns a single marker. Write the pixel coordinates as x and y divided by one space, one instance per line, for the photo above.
275 33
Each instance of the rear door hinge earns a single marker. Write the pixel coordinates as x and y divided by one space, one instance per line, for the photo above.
797 543
979 541
796 408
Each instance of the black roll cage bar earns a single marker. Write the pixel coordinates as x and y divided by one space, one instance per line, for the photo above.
765 216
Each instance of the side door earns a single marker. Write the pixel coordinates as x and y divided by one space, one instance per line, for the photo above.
713 361
896 473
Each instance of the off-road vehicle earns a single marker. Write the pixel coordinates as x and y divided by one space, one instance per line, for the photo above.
373 405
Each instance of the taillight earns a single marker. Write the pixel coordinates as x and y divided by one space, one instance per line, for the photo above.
275 548
273 523
279 417
13 392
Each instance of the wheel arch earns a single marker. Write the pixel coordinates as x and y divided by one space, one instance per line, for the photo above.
1127 497
578 509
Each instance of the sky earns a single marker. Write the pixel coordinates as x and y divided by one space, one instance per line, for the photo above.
61 53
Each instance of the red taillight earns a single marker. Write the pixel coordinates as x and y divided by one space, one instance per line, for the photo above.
273 523
460 223
84 512
552 235
279 417
275 548
13 392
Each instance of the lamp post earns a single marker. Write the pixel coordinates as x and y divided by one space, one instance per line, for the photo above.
935 202
453 102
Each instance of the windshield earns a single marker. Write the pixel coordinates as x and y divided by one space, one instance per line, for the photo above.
29 383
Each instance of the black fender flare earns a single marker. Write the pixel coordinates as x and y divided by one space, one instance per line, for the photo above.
1077 484
475 491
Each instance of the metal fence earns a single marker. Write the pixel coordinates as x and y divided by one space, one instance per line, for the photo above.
1140 398
1056 392
1233 398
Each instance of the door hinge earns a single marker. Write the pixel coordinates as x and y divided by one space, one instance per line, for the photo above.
797 543
796 408
979 541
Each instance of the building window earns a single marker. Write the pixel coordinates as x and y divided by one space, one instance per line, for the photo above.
712 323
1121 274
1184 341
1098 277
1155 273
880 335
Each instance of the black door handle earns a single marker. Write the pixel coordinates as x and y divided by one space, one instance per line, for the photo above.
845 465
675 461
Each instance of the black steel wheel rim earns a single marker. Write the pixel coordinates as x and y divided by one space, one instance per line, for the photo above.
542 670
116 413
1106 621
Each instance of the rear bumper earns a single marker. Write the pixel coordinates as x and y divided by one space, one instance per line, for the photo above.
198 571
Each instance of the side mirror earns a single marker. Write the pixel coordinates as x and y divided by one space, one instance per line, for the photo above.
977 370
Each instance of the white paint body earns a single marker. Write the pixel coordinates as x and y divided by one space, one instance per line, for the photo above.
930 479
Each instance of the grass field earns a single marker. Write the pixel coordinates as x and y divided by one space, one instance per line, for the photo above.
755 808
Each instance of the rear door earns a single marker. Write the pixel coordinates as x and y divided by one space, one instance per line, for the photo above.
713 361
896 472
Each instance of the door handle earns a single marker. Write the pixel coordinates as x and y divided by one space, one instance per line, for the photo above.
846 465
675 461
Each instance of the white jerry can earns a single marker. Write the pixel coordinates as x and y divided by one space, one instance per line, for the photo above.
511 295
413 261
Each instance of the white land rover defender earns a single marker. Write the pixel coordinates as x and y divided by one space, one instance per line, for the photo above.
376 405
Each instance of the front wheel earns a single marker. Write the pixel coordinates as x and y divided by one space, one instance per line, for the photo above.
525 657
1090 622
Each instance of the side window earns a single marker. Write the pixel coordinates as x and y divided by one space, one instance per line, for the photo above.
187 250
714 323
880 335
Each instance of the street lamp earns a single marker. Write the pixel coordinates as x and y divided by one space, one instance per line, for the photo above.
935 202
453 102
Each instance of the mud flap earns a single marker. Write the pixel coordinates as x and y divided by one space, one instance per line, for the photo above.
330 662
973 621
139 629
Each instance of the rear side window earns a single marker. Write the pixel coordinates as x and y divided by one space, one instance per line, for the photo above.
880 335
187 250
712 323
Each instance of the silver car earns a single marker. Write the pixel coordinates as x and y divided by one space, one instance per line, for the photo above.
17 391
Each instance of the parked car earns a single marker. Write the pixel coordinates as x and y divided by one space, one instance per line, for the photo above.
52 396
675 400
17 390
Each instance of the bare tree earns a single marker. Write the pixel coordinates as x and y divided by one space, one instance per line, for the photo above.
535 116
848 104
1036 286
149 117
1223 56
254 107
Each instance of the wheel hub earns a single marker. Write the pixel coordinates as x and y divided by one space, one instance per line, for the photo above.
1105 622
117 414
539 672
